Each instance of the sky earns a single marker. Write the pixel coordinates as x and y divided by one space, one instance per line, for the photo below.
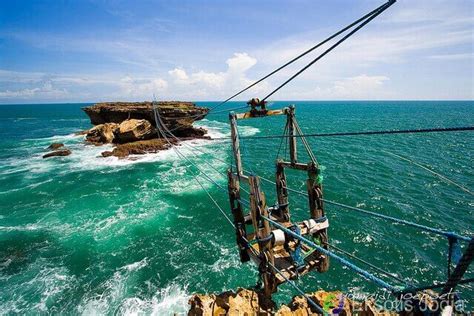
92 51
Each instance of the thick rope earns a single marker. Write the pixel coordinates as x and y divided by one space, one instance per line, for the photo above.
377 12
432 172
407 131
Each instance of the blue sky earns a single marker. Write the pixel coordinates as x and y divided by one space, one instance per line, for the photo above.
88 51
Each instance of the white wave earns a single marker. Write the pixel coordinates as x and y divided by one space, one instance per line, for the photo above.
47 283
114 299
57 137
224 263
136 265
88 157
28 227
171 300
186 217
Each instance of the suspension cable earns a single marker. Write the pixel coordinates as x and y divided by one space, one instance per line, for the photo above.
372 14
377 12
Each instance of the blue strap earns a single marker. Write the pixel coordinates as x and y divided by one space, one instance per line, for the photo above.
296 254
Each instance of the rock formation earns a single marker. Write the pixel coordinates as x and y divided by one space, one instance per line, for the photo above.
248 302
131 125
62 152
57 149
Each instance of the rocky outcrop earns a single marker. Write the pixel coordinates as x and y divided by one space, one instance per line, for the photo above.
175 115
102 134
248 302
63 152
131 125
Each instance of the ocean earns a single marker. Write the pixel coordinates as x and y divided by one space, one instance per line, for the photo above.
84 234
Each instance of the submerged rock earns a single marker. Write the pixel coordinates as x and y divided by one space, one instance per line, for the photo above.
55 146
63 152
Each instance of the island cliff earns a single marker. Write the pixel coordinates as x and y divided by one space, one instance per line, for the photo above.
131 126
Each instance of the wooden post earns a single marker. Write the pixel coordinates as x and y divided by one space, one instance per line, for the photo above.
237 213
291 133
282 193
235 143
262 229
316 209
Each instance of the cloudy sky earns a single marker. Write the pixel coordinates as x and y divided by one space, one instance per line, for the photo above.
87 51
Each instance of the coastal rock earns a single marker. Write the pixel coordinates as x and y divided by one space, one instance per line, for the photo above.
133 130
63 152
131 125
138 148
55 146
102 134
248 302
244 302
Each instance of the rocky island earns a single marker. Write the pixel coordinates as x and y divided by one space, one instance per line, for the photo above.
131 126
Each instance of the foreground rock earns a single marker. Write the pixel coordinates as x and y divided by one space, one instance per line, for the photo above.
63 152
131 126
102 134
248 302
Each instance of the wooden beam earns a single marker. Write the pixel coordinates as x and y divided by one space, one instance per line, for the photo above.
255 114
235 143
291 133
262 229
238 215
282 193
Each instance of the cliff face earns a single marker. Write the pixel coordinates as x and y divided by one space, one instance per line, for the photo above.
131 125
175 115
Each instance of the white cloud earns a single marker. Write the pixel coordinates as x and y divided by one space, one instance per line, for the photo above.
214 85
359 87
452 56
178 74
46 90
241 62
141 88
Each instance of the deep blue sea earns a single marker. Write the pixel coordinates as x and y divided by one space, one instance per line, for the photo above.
84 234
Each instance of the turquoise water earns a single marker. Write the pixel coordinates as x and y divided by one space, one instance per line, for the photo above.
86 234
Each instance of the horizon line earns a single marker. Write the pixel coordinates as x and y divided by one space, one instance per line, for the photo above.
213 101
